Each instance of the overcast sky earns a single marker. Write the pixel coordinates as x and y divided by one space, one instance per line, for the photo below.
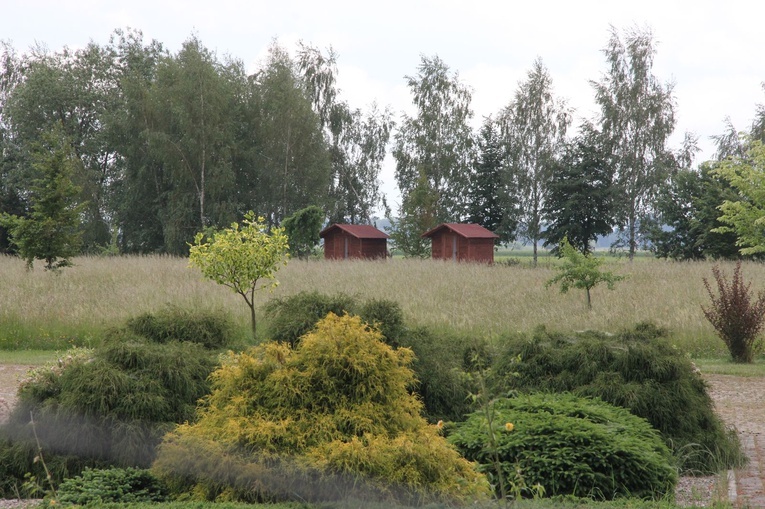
709 49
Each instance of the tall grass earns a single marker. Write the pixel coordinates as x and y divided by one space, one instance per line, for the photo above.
41 308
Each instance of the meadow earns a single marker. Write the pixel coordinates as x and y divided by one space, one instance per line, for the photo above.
43 310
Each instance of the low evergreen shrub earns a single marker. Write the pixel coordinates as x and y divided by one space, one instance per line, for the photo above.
101 407
569 446
329 419
213 329
117 485
637 369
291 317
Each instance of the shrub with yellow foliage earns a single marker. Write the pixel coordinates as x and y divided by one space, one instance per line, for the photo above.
332 418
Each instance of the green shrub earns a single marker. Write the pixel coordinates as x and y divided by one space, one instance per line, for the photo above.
569 446
329 419
289 318
387 317
213 329
119 485
635 369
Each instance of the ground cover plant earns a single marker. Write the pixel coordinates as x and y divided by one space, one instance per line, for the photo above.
329 419
110 405
562 444
637 369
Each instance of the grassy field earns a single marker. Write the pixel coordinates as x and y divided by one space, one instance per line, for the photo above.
39 309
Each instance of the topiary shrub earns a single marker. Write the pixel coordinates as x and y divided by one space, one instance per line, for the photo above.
569 446
291 317
213 329
112 485
328 419
635 369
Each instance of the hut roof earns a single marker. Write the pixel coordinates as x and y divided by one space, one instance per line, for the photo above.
467 230
360 231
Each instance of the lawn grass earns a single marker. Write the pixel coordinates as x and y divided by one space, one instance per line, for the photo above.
30 357
42 310
725 366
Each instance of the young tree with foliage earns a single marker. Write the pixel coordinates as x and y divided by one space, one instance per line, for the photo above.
745 216
302 230
637 116
534 127
737 319
580 202
51 232
241 256
581 271
493 203
433 153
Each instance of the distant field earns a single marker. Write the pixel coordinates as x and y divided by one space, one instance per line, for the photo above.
39 308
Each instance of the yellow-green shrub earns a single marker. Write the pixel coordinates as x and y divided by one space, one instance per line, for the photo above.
333 417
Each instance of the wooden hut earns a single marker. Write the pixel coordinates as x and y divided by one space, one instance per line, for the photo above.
462 242
343 241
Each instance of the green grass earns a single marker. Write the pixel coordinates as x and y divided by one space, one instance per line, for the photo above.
41 310
724 366
31 357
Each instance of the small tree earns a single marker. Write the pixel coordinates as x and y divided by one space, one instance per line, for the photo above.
736 319
239 257
581 271
51 230
302 229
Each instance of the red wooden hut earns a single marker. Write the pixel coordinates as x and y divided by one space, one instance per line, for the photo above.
462 242
343 241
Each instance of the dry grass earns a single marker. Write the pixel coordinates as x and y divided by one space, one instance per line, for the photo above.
101 292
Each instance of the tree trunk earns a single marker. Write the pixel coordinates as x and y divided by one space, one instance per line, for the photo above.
589 301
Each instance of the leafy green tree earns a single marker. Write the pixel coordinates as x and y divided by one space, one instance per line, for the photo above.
581 199
302 230
241 256
492 204
534 128
189 130
51 230
289 167
433 152
357 140
581 271
745 216
637 116
75 90
688 211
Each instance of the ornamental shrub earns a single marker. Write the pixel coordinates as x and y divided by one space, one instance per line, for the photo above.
329 419
736 317
108 406
291 317
636 369
213 329
570 446
112 485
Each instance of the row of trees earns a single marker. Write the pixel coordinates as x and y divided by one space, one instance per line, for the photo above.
165 145
160 146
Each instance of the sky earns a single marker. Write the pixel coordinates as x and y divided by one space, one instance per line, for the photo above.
708 49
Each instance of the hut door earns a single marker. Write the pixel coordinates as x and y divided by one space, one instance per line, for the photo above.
454 248
345 253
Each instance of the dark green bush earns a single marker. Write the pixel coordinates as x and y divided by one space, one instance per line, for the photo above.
291 317
109 406
387 317
213 329
635 369
121 485
570 446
